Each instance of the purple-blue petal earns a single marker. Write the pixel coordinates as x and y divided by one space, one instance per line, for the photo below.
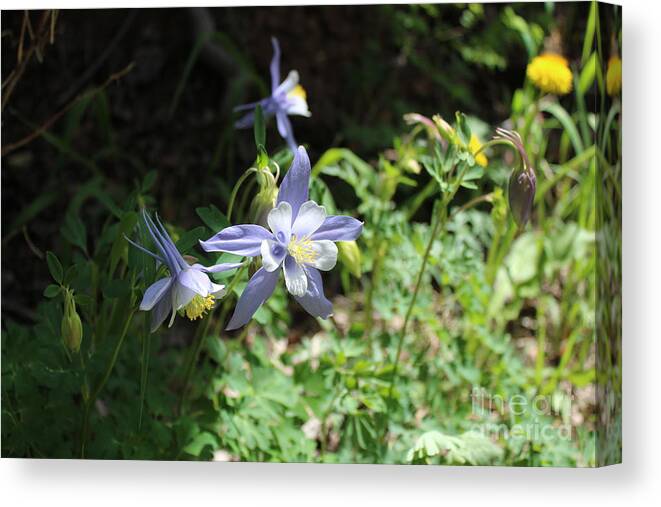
275 64
339 228
314 302
259 289
245 121
238 239
195 280
160 312
286 130
219 268
154 293
294 186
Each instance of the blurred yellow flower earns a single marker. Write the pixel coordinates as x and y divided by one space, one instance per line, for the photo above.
550 73
474 146
614 76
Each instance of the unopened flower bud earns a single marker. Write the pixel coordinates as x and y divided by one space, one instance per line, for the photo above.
350 256
265 199
522 183
521 196
71 326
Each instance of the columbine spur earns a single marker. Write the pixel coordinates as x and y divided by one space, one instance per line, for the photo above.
287 98
187 290
301 242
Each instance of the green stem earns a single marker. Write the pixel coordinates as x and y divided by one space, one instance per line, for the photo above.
438 226
198 341
235 191
92 399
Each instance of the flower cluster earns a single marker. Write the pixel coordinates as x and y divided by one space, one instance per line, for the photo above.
300 243
550 73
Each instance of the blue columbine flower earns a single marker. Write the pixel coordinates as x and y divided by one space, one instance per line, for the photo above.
187 290
287 98
301 241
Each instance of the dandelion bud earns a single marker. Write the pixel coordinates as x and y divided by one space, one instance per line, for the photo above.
71 327
350 256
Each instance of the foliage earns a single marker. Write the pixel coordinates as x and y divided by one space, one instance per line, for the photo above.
457 337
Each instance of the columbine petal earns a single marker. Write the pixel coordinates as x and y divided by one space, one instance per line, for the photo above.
285 129
238 239
298 106
309 219
218 268
295 278
325 254
160 312
273 254
181 296
288 84
258 290
339 228
217 290
279 220
313 301
155 293
195 280
275 65
294 186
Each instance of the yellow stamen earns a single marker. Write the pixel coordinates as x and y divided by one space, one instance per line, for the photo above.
198 306
301 250
298 91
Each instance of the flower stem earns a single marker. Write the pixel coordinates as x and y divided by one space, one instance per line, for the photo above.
89 402
235 191
438 226
198 341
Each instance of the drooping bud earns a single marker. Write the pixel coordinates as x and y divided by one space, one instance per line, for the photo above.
522 186
350 256
522 182
71 326
265 199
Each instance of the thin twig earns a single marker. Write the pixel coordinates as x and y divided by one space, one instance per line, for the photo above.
48 123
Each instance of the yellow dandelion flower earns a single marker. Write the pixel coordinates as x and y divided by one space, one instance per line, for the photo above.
614 76
474 146
550 73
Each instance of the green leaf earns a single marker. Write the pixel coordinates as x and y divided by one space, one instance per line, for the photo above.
568 124
462 127
588 74
55 267
199 442
74 231
52 290
213 218
120 244
148 181
190 239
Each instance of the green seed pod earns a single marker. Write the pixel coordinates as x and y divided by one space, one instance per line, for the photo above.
71 326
